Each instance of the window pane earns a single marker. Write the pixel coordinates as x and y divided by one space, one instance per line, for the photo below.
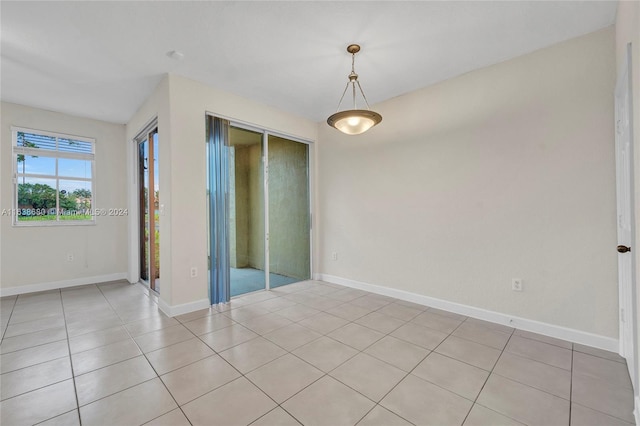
35 165
48 170
70 145
36 199
31 140
74 168
75 200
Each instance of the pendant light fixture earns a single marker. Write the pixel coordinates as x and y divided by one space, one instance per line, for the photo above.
354 121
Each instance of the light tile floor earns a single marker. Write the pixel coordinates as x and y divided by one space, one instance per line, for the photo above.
308 353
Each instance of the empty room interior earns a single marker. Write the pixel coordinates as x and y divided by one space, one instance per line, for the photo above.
319 213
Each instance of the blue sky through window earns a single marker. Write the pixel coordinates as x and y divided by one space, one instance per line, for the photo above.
42 165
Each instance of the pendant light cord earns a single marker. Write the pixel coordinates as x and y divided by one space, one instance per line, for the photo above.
363 96
353 79
342 97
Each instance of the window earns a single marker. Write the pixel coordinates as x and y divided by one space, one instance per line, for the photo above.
53 178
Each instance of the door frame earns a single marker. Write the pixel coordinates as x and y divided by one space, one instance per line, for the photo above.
628 313
135 273
150 260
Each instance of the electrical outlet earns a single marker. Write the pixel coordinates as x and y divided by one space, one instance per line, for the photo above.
334 256
70 257
194 272
516 284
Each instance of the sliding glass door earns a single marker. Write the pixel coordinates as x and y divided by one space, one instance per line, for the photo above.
289 220
149 198
258 210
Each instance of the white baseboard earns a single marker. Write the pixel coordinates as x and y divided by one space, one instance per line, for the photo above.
559 332
636 410
55 285
185 308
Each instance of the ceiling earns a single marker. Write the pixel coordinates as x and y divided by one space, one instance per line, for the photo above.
103 59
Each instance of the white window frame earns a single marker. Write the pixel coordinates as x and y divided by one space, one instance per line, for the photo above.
57 154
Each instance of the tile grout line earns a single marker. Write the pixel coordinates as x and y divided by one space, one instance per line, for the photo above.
13 306
73 376
268 412
571 402
529 385
475 401
97 347
34 346
276 402
539 342
571 385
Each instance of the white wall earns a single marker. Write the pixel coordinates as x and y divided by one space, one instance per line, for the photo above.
35 256
505 172
183 173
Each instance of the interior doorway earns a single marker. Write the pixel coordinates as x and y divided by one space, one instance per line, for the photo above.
261 238
148 200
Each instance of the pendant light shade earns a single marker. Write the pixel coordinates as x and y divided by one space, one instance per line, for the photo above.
354 121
